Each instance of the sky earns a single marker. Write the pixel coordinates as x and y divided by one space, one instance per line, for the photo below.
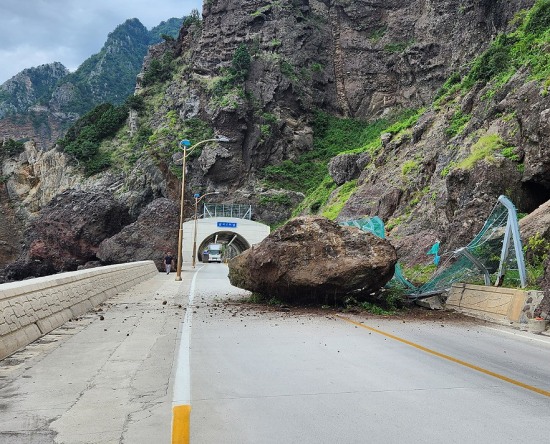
36 32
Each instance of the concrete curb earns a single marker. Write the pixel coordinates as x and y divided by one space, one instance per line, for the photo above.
32 308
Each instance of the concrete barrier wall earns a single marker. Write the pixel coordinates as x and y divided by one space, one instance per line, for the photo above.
494 303
32 308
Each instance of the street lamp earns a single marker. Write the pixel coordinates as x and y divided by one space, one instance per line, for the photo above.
185 144
198 198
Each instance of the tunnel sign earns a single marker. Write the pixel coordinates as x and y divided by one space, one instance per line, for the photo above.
227 224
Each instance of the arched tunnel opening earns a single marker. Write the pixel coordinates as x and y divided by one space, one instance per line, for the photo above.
232 244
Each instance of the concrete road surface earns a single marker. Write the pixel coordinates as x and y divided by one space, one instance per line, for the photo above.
279 377
268 376
104 378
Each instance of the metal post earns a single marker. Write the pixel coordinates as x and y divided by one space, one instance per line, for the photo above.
186 152
514 228
195 233
180 235
477 263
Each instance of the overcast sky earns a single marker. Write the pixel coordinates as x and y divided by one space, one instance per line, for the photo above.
35 32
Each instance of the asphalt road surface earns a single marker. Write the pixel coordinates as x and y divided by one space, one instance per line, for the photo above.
259 375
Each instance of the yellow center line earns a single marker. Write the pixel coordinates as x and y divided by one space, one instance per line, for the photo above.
450 358
180 424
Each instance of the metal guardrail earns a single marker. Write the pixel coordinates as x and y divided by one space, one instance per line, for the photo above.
239 211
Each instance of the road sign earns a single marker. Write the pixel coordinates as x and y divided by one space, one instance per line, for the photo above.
227 224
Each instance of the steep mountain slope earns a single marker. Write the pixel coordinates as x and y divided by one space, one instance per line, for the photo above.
360 59
40 103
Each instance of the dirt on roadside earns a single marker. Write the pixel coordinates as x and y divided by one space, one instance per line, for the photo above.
412 313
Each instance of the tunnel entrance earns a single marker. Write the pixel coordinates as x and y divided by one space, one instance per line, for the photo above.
234 235
232 243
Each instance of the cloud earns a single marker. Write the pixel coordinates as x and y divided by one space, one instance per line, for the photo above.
36 32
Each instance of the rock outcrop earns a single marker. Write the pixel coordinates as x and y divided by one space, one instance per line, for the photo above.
312 259
153 234
543 310
67 233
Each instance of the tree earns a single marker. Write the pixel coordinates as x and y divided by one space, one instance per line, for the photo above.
240 64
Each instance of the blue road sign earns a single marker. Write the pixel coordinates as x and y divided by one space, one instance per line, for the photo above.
227 224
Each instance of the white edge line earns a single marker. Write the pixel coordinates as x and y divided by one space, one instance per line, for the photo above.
518 334
182 382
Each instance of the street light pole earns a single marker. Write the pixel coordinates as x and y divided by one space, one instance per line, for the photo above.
198 198
184 144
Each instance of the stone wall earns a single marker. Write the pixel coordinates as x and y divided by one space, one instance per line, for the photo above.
32 308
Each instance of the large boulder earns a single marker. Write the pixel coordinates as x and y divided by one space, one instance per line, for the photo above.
153 234
314 260
67 233
536 223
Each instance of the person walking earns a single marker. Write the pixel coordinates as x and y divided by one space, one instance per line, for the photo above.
168 262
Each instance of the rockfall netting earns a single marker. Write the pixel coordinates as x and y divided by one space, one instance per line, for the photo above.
493 255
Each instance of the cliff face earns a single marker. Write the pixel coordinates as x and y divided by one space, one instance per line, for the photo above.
353 58
430 185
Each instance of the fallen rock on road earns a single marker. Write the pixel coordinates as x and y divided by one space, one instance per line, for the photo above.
314 260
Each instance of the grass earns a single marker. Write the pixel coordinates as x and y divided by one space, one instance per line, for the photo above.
332 210
483 149
458 123
332 136
525 47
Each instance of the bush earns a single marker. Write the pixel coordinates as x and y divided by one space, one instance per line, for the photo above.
101 161
240 64
539 18
136 103
494 61
159 70
84 138
457 124
194 18
11 148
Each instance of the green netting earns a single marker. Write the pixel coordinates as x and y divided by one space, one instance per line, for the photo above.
471 264
476 263
374 225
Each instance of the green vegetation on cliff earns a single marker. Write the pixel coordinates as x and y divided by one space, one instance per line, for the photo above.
83 139
525 47
10 148
332 136
110 75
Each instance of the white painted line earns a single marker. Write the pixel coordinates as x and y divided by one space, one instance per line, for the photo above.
182 382
528 336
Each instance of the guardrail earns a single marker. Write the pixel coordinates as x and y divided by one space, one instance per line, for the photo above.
34 307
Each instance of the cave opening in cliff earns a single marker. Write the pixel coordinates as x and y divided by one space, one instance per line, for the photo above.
537 194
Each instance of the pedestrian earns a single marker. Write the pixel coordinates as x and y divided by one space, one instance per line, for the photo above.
168 262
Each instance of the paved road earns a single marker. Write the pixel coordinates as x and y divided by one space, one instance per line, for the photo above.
286 378
271 377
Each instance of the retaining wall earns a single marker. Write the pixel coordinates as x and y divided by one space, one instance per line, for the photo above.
30 309
505 305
